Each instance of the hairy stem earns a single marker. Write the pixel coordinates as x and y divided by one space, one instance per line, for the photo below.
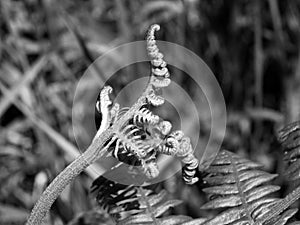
51 193
100 143
149 208
245 205
95 151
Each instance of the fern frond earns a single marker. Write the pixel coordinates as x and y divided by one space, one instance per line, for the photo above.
116 129
136 205
289 138
101 143
290 141
241 186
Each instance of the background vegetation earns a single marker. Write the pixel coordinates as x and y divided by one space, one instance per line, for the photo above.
251 46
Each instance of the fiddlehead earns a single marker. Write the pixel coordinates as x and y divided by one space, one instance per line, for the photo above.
133 140
103 106
114 126
159 71
136 143
178 145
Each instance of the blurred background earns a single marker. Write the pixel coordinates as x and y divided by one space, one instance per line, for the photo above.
252 47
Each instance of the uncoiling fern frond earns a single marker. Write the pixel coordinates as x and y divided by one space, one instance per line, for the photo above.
159 71
143 135
137 205
241 186
290 140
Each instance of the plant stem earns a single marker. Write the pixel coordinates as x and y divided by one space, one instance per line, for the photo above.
94 152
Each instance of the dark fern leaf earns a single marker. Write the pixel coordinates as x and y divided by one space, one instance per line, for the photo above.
137 205
117 199
240 186
289 137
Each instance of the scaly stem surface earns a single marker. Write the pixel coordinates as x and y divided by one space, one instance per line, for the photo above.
66 177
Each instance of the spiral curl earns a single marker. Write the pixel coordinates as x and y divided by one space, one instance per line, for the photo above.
145 116
159 72
147 134
178 145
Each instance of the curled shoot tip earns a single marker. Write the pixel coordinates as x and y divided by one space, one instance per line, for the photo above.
152 29
155 27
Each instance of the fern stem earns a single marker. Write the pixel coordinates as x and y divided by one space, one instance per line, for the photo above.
51 193
149 208
245 205
93 153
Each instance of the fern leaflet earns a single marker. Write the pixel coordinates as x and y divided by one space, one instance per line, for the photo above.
241 186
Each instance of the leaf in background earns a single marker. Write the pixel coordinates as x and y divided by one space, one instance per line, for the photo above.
28 76
10 214
158 12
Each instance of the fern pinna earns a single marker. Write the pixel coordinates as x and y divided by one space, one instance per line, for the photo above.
235 184
241 186
290 140
138 205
